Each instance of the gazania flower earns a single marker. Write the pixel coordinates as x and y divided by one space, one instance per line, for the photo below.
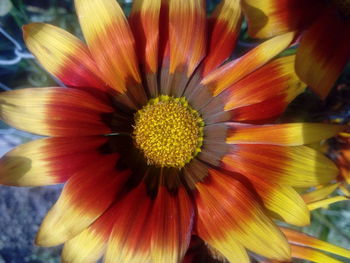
325 35
155 139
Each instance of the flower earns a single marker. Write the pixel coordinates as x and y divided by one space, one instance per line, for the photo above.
325 35
154 138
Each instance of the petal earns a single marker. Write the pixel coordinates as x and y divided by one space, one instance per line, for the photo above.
262 95
224 26
225 76
144 22
320 193
326 202
111 44
228 212
186 45
288 134
187 22
172 219
298 166
324 51
44 161
273 79
85 196
273 17
54 111
90 245
63 55
131 236
302 239
312 255
283 201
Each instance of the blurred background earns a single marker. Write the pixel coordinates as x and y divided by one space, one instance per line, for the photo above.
22 209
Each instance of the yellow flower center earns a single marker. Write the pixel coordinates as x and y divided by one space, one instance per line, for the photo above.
343 7
168 132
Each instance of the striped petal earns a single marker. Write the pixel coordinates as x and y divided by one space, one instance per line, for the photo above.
289 134
324 51
63 55
111 44
131 236
225 76
228 214
320 193
84 198
172 218
262 95
90 245
283 201
224 26
273 17
325 202
185 39
311 254
187 22
54 111
44 161
302 239
144 22
298 166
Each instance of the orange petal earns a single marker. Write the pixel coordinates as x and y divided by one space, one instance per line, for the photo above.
172 218
319 193
273 17
90 245
302 239
63 55
111 44
84 198
131 236
324 51
262 95
312 255
283 201
228 214
273 79
186 47
54 111
224 26
44 161
288 134
225 76
144 21
298 166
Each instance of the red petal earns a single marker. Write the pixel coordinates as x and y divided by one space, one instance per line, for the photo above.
172 218
224 26
324 51
49 160
84 198
228 214
54 111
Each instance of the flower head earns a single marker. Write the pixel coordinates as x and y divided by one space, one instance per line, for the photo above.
325 35
156 138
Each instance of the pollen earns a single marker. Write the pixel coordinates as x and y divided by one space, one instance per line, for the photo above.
168 132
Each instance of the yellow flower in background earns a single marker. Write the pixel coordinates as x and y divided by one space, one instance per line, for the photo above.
155 137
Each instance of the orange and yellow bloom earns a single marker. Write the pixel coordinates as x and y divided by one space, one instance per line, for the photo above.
156 138
324 26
